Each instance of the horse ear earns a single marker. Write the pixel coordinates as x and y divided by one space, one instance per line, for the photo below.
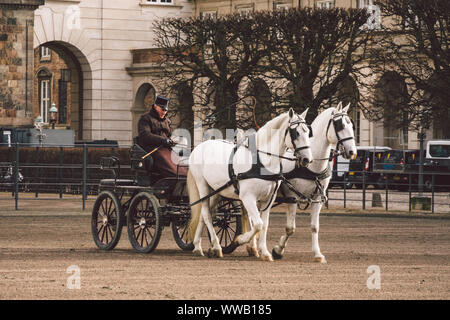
291 113
303 115
339 106
346 108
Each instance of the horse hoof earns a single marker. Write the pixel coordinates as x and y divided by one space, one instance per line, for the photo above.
320 259
267 258
252 252
198 252
215 253
276 255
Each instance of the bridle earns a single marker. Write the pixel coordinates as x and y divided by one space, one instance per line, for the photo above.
294 134
338 126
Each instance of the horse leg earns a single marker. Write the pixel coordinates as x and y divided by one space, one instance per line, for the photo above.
262 244
198 238
278 250
247 225
207 218
256 223
315 211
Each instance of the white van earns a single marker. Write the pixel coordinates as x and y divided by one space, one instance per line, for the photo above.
438 149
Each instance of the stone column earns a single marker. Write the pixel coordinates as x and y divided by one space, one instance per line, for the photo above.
16 61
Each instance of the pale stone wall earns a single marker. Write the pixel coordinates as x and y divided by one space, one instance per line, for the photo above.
107 31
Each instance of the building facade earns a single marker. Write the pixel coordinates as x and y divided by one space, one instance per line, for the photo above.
95 38
103 76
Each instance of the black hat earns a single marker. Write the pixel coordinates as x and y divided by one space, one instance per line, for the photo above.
162 102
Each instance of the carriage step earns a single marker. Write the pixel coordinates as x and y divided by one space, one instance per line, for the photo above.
116 182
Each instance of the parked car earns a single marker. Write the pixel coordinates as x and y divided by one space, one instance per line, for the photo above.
363 164
339 166
437 165
397 167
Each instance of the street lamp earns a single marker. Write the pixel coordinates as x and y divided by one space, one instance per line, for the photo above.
53 111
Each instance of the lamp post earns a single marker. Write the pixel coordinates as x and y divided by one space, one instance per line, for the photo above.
53 112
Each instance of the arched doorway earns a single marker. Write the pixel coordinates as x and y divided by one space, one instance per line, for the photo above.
67 83
391 97
145 96
347 92
262 103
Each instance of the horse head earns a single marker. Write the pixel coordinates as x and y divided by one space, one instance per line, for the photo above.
297 137
343 133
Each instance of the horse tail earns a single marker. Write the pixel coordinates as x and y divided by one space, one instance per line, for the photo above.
245 221
195 210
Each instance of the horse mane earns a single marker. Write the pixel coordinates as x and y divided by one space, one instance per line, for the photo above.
264 134
317 123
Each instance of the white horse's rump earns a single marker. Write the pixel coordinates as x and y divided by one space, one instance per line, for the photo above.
331 127
209 171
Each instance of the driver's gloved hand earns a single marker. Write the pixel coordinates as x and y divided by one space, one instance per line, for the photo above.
168 142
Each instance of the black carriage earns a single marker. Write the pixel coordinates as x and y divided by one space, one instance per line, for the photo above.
148 203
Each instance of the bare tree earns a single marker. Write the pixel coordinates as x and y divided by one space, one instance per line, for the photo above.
415 45
315 50
212 56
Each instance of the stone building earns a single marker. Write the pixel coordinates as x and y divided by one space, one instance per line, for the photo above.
107 47
96 39
16 61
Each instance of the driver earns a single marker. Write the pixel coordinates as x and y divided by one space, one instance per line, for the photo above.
154 131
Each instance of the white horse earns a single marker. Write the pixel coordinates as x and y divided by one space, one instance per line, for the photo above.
330 128
218 166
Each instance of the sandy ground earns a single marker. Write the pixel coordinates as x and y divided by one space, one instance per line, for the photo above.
413 256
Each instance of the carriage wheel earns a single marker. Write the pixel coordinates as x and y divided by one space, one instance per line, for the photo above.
179 234
106 220
144 222
228 224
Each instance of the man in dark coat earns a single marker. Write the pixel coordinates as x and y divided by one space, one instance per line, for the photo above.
155 131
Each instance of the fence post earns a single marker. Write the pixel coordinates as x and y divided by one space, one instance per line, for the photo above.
16 176
410 185
345 190
84 174
387 193
364 190
60 170
37 182
432 193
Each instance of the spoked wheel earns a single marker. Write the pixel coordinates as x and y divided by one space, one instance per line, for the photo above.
179 226
144 222
228 224
106 220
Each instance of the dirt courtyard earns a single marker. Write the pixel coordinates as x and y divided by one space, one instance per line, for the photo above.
412 254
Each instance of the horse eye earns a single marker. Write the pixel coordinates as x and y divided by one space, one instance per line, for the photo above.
348 120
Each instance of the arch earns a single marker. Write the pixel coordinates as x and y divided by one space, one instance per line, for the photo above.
144 98
347 92
78 49
262 108
391 97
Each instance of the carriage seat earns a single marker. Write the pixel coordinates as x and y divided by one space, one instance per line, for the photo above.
138 163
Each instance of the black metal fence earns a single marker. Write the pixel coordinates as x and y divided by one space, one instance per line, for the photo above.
75 170
391 190
59 170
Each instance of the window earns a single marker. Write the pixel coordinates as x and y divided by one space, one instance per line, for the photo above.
45 53
44 80
244 9
44 99
160 1
325 4
282 6
208 14
374 21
